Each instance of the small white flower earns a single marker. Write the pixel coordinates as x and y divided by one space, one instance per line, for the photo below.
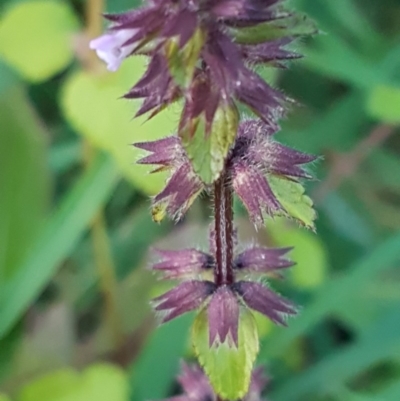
110 47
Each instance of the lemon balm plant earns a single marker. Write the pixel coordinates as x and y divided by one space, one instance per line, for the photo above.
207 55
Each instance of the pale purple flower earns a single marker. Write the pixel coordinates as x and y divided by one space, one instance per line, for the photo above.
112 48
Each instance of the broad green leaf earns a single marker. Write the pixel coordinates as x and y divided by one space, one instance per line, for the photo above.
292 26
101 382
3 397
308 253
228 368
25 181
92 105
384 104
36 37
56 240
292 197
208 151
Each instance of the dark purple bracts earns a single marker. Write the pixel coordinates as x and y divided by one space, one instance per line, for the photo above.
206 42
254 156
192 268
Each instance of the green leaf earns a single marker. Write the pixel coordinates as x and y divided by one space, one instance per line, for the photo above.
309 253
92 105
384 104
25 188
36 38
3 397
182 62
228 368
56 240
292 26
291 195
208 151
101 382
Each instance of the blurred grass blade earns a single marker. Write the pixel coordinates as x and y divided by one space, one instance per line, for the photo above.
57 239
24 179
334 294
157 366
379 343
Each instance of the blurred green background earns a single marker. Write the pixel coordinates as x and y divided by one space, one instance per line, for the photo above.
75 229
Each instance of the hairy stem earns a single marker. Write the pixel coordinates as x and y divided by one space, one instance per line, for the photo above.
223 213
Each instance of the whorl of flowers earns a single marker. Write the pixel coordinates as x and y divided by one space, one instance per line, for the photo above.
254 156
198 290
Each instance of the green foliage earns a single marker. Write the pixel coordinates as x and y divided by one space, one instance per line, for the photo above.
91 104
56 239
227 366
24 139
37 38
308 253
292 197
294 25
166 347
208 150
100 382
182 63
383 104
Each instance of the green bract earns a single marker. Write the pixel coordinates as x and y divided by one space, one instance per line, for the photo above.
292 26
207 151
291 195
228 368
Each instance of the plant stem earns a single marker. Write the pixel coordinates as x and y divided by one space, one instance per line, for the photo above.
223 213
107 280
94 27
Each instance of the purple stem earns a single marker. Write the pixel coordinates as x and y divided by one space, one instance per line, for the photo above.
223 210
